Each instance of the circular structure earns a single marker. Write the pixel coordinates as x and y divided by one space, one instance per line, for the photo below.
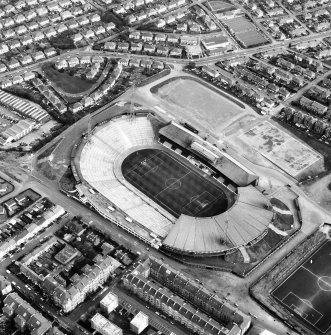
173 184
165 194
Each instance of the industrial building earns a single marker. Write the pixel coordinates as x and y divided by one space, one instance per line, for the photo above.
17 131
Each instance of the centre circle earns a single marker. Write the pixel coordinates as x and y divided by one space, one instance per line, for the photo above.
172 184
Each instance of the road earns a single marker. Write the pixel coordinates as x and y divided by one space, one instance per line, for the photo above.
200 61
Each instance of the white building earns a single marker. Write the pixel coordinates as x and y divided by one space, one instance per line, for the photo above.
104 326
109 302
139 323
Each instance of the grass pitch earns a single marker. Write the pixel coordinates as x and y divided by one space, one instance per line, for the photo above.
173 185
200 103
307 291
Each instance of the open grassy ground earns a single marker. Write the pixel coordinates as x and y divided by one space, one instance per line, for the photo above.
198 102
66 82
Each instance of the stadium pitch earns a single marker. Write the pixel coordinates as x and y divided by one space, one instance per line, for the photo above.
307 291
173 185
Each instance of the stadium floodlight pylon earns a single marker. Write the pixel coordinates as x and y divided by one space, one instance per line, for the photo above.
89 129
132 114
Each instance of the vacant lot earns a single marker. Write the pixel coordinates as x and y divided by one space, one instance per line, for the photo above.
280 148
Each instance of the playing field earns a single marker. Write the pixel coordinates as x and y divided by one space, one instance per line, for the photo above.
307 291
220 6
239 24
200 103
172 185
280 148
245 31
251 38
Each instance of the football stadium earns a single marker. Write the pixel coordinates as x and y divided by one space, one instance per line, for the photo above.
164 183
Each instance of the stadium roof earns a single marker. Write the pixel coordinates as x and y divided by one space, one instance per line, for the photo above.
248 218
226 164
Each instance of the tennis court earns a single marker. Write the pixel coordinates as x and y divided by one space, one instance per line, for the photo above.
306 292
173 185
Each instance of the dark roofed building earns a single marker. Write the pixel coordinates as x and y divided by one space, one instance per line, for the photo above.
202 311
221 161
244 222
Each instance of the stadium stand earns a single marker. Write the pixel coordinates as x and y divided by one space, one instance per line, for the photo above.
97 161
244 222
24 107
220 160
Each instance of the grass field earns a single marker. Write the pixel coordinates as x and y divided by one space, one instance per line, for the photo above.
307 291
199 102
251 38
245 31
66 82
172 185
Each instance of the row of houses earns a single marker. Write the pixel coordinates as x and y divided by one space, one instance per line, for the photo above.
76 61
99 93
10 9
31 230
93 32
146 63
49 95
148 36
256 97
158 49
42 16
111 81
36 36
164 288
26 318
17 79
159 9
26 59
152 12
309 122
273 73
313 106
300 70
69 297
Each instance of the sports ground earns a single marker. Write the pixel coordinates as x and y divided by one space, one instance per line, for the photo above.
307 291
198 102
173 185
